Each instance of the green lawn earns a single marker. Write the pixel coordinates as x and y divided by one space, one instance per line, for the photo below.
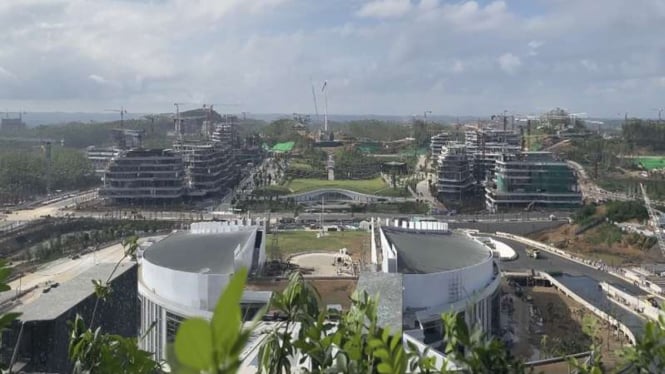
289 242
374 186
651 162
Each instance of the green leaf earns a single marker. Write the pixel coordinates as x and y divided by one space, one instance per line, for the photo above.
384 368
226 320
6 319
193 344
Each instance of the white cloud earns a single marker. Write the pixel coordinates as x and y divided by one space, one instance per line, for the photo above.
535 44
98 79
509 63
385 9
390 56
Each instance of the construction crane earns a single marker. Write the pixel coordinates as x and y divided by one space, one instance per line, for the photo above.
654 220
325 106
178 121
316 105
122 112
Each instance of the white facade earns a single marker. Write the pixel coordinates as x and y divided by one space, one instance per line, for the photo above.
169 295
469 289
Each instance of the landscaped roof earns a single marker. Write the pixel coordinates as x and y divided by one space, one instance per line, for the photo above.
283 147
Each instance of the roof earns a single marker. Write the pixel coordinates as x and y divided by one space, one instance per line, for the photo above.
198 253
283 147
429 252
59 300
388 287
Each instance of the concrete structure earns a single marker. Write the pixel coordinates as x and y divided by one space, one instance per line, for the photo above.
184 274
41 334
437 142
208 167
455 179
530 179
100 158
145 176
427 270
486 146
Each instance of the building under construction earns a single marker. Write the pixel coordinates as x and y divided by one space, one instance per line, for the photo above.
437 142
485 146
142 176
209 167
532 179
455 179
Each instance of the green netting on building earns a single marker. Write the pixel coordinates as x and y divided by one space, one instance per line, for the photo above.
283 147
651 163
551 179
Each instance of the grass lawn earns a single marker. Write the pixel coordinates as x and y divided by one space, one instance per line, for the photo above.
651 162
374 186
289 242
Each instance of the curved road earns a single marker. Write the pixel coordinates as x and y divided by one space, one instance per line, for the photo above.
581 279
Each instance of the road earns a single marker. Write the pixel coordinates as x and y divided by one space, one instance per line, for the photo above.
581 279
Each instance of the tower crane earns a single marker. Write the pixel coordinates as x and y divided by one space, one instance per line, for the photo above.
122 112
654 220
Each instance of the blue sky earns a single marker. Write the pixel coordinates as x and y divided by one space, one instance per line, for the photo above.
400 57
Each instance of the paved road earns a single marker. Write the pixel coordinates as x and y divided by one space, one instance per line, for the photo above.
583 280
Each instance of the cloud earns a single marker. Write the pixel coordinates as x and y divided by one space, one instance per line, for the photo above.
390 56
509 63
98 78
385 9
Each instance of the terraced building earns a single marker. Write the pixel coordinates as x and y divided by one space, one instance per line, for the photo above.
532 179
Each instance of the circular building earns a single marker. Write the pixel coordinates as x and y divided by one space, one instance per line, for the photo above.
184 274
439 271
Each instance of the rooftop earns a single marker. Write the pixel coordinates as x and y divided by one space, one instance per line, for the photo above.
57 301
211 253
428 252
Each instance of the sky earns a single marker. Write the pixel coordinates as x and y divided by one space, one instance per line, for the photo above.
391 57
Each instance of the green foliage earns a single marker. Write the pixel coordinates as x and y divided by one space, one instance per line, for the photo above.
24 173
353 164
582 216
645 133
96 352
473 351
648 354
6 319
621 211
375 130
214 346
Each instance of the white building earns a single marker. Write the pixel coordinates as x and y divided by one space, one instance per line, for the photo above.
427 270
184 274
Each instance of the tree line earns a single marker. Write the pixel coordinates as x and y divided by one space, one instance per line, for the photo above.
25 173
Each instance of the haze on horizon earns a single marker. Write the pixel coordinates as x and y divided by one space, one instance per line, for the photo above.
393 57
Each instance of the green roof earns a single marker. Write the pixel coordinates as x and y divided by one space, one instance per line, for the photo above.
283 147
650 163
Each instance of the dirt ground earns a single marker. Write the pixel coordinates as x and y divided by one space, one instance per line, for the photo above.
619 253
543 311
331 291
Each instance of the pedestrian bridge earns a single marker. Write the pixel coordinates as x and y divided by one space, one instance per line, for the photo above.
340 194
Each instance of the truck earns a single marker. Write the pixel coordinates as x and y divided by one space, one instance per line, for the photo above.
532 252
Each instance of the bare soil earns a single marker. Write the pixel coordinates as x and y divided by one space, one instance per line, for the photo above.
331 291
561 319
619 253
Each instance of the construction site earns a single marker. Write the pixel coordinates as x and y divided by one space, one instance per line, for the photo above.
501 164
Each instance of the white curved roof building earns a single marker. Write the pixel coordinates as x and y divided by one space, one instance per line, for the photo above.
427 270
184 274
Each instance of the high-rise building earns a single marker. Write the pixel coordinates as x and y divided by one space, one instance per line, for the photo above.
529 179
145 175
455 179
